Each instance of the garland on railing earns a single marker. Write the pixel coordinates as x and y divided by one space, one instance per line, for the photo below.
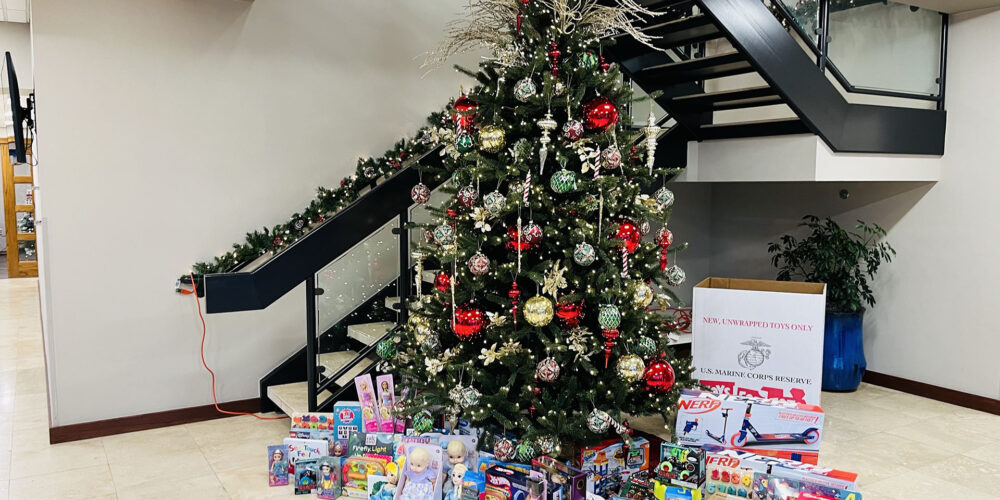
328 202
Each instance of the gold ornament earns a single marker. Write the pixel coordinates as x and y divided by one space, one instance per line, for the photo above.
642 295
420 326
492 139
538 311
555 280
630 368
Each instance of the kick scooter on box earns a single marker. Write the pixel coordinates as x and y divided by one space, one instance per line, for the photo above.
740 439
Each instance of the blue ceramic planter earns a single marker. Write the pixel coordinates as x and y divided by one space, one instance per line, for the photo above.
843 352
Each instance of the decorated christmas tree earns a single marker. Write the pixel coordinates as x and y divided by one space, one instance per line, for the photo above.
539 323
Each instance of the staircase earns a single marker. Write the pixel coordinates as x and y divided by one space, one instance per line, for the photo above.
700 43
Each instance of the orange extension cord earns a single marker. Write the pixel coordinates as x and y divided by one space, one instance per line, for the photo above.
204 331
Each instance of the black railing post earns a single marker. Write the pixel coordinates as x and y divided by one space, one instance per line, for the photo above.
311 341
403 282
944 60
824 34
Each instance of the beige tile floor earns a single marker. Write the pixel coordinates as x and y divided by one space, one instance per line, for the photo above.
905 447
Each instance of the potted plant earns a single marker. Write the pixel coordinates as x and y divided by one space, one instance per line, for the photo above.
845 261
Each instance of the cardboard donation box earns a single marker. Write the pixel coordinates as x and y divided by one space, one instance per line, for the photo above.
759 338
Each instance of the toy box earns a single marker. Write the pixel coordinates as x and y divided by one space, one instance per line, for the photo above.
421 477
611 465
741 474
355 472
305 476
372 444
346 420
782 429
277 465
664 491
573 483
328 483
508 484
681 465
302 449
370 419
312 426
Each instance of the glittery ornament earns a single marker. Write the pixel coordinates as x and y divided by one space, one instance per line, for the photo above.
630 368
572 130
494 203
532 234
525 89
628 232
468 397
547 370
588 61
659 375
584 254
675 276
430 343
465 111
644 227
599 114
468 195
503 449
558 88
525 452
608 316
299 224
420 193
442 281
598 421
642 294
512 242
547 444
664 198
645 346
664 237
444 234
611 157
563 181
492 139
538 311
479 264
369 171
419 325
423 422
464 142
469 321
569 313
386 349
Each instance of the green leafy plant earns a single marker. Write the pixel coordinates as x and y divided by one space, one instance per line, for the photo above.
844 260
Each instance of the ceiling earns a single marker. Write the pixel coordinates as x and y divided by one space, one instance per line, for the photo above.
14 11
949 6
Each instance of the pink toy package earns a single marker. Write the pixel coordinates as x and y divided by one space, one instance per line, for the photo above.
386 400
369 408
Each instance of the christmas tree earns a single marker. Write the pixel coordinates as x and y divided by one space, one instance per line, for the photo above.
539 323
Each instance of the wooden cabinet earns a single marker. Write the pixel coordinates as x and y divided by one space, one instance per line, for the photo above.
19 213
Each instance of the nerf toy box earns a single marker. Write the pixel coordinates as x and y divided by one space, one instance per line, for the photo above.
681 465
346 420
778 428
610 463
573 483
742 474
508 484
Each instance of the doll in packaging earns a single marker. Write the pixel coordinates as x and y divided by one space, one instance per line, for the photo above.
421 477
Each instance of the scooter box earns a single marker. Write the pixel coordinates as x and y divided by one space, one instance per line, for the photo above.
777 428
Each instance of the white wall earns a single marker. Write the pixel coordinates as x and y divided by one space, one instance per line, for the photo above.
934 318
167 130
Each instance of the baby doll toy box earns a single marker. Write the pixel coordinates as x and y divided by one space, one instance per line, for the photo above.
778 428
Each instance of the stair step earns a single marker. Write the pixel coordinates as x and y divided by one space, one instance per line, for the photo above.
332 362
292 398
705 68
669 35
728 99
391 302
761 128
369 333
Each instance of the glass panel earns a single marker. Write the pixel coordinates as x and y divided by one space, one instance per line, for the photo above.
23 194
25 222
806 15
640 110
357 275
887 46
26 251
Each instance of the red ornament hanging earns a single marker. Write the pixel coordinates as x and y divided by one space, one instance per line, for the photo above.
610 340
599 114
659 375
554 55
569 313
520 15
512 242
277 240
469 321
664 238
465 112
605 66
514 294
442 281
630 235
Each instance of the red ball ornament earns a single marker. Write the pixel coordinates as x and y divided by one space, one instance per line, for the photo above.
570 313
442 281
469 321
630 235
659 375
465 111
532 234
599 114
512 243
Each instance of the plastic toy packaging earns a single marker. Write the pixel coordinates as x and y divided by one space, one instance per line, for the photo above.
386 400
355 472
277 465
681 465
346 421
420 478
369 408
328 484
305 476
312 426
303 449
509 484
574 483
